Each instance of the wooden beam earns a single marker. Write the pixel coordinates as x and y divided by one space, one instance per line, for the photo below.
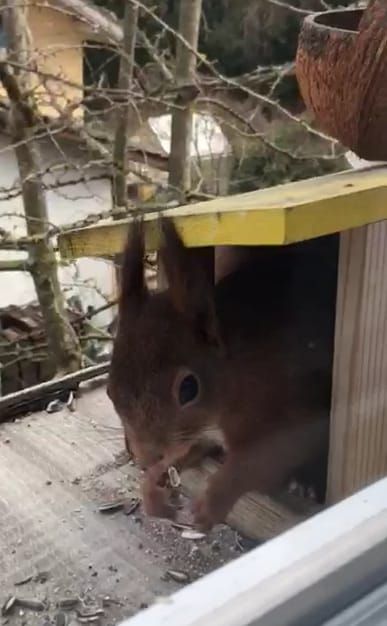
255 516
358 434
24 399
275 216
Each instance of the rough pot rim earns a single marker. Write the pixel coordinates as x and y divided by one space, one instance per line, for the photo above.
313 19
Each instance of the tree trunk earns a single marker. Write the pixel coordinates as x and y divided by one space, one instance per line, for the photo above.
120 147
120 161
63 343
180 162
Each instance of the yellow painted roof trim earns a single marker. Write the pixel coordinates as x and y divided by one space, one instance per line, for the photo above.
275 216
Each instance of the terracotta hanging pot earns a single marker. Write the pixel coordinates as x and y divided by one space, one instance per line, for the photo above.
341 68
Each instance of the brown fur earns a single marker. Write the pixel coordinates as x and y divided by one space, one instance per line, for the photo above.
259 343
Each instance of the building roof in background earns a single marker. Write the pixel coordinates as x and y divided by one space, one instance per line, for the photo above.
208 139
99 23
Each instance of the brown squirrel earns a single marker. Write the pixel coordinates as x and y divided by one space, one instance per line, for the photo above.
251 355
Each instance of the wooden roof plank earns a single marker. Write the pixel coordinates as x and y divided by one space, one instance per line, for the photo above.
275 216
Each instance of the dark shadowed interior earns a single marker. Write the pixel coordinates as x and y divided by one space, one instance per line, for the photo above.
345 20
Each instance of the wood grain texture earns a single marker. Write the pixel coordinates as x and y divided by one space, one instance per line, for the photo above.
358 443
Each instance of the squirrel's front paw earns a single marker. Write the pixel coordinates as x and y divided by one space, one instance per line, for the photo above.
207 513
156 500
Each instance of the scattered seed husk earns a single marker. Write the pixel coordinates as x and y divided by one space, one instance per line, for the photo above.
31 605
111 507
108 601
192 534
61 619
177 576
181 526
71 401
23 581
55 406
130 506
90 613
163 600
8 605
174 477
68 603
41 577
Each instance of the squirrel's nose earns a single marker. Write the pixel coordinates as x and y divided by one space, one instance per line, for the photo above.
145 453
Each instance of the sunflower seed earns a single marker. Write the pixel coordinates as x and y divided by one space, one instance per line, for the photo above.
55 406
32 605
23 581
174 477
8 605
130 506
163 600
192 534
177 576
71 401
91 613
111 507
108 601
41 577
68 603
181 526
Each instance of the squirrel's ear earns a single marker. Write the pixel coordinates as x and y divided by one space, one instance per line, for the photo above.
189 286
133 287
178 266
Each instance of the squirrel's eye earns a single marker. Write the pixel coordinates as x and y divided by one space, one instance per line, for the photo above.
188 389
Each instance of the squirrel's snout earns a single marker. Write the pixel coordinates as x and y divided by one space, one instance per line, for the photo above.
150 460
146 456
145 453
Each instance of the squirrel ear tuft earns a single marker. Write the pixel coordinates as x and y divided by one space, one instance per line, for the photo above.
133 287
189 285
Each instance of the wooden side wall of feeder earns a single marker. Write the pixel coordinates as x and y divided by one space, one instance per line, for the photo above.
358 440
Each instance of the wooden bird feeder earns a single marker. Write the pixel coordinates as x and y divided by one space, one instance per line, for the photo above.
351 207
342 69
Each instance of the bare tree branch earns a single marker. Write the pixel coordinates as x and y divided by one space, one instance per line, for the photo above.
290 7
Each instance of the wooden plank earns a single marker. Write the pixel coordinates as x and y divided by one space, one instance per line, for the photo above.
254 515
24 399
275 216
358 446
